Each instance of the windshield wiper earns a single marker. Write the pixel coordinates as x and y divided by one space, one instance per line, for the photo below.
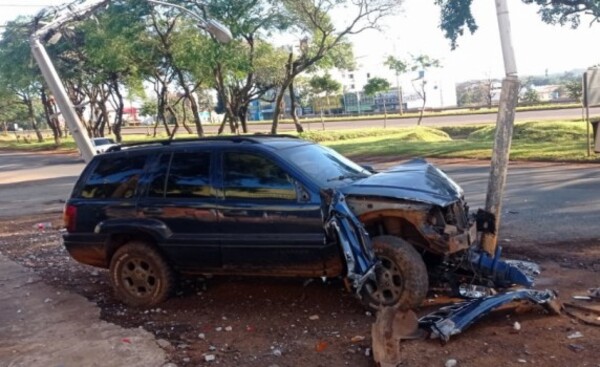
348 175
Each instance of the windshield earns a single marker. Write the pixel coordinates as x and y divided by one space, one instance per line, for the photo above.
324 165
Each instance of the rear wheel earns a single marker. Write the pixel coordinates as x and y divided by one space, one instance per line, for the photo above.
401 279
139 275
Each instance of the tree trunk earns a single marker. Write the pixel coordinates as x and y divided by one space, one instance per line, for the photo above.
196 113
243 116
424 95
222 127
278 104
4 128
170 109
51 119
119 112
31 115
293 112
384 114
184 122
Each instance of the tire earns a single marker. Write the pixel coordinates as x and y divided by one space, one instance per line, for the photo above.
140 276
402 279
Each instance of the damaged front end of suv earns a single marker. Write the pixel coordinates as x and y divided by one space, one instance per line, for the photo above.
421 205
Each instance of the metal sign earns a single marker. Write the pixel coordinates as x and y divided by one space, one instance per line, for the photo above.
591 87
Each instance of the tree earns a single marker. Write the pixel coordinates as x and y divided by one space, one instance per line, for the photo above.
399 67
531 96
574 89
18 73
312 19
378 85
456 16
422 63
248 67
327 85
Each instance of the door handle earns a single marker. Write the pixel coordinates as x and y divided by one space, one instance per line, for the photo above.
152 210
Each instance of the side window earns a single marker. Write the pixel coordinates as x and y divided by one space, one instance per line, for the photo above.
251 176
114 178
189 176
158 177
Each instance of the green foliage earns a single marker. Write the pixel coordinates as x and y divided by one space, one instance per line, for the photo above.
376 85
396 65
531 96
422 134
574 89
566 11
324 84
537 132
456 16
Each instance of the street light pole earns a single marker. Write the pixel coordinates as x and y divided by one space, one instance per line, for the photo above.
77 11
504 127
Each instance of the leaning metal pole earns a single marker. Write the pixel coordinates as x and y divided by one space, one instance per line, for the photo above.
504 127
54 82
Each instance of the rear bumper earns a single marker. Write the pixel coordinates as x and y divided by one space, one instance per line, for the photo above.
86 248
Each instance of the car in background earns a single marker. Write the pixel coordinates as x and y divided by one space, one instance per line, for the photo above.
102 145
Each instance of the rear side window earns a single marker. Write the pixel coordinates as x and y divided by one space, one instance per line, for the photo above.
251 176
188 176
114 178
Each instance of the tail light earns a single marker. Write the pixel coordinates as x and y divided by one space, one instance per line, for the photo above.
70 217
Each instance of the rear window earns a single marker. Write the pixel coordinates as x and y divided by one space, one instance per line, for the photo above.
114 178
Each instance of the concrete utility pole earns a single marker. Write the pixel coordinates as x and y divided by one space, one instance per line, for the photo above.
504 127
80 10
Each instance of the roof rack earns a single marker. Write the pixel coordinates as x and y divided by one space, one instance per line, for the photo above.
234 138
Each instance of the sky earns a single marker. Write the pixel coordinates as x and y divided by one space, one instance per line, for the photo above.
539 48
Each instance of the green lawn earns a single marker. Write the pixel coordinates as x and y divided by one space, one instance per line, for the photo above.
532 140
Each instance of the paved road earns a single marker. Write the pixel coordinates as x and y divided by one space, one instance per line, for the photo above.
568 113
544 202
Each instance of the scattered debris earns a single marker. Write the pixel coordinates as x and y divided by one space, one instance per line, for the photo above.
390 327
521 360
357 339
517 326
201 336
595 293
321 346
451 363
228 328
277 352
585 314
313 317
576 347
453 319
209 357
575 335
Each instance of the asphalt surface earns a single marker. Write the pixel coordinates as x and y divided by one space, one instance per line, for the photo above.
543 202
472 119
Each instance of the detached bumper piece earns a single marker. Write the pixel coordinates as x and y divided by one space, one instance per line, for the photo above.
503 273
353 238
454 319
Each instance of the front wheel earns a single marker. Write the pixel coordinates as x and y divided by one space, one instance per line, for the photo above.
140 276
401 279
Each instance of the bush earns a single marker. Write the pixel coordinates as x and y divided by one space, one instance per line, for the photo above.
537 132
420 133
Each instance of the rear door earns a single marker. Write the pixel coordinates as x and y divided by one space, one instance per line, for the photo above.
180 193
269 223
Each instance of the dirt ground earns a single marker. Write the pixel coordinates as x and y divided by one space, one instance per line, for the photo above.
234 321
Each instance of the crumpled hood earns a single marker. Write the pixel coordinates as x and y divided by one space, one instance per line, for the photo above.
416 180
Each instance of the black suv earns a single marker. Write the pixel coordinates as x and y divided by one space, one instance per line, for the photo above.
253 205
